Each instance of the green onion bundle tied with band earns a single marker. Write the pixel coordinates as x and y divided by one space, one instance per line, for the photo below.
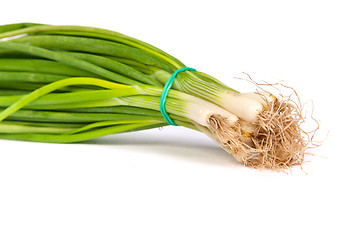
65 84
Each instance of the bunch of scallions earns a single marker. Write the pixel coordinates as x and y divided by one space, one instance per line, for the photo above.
63 84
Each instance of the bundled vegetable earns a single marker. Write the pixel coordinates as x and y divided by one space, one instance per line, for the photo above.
70 83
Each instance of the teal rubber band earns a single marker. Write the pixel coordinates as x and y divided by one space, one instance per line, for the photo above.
165 93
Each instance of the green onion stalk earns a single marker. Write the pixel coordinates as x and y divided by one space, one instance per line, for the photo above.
65 84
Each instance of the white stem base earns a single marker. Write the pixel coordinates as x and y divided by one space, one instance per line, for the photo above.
246 106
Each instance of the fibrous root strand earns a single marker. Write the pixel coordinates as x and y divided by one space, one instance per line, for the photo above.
276 142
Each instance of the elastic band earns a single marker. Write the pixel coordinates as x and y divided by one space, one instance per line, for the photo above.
166 91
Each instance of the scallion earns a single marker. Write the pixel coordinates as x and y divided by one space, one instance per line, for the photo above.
71 83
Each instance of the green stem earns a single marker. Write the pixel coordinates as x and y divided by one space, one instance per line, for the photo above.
15 127
98 33
41 66
79 137
68 60
31 77
117 67
72 97
56 85
76 117
93 45
111 123
16 26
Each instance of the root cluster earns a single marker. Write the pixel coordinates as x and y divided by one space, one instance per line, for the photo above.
277 141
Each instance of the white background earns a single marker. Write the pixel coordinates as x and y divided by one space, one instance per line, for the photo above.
175 183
